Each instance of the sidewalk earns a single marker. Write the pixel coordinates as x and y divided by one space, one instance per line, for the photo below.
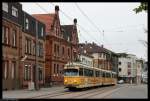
25 93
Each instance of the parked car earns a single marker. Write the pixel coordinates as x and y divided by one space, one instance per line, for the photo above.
120 81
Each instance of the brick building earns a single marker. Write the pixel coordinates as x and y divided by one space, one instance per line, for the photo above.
61 46
11 31
31 27
18 47
103 58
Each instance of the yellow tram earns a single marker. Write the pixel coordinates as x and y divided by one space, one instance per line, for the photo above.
78 75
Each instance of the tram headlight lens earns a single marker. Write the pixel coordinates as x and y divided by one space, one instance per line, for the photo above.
75 81
65 80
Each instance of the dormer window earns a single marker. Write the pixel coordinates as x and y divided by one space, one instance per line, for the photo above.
5 7
27 23
14 11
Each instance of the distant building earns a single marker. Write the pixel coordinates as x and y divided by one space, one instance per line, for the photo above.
86 59
127 67
103 58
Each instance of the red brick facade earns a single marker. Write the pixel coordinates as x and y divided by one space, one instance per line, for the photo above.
61 47
10 57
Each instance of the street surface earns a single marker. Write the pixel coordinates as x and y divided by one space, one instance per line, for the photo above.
107 92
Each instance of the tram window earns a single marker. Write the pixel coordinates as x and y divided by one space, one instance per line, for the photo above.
85 72
71 72
115 76
81 72
107 75
100 73
103 74
97 73
90 72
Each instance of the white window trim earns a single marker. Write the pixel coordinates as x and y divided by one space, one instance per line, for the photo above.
27 23
5 6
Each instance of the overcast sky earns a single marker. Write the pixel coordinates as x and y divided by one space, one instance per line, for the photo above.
121 26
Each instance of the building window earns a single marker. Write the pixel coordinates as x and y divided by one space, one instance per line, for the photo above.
14 11
54 68
58 50
41 50
34 48
27 23
129 64
5 35
57 68
119 63
40 74
63 50
42 31
14 35
5 7
68 52
26 45
119 69
29 45
6 69
27 75
54 48
13 70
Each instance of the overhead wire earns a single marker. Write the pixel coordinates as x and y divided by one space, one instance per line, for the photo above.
78 25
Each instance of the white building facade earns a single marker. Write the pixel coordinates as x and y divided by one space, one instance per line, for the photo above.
127 68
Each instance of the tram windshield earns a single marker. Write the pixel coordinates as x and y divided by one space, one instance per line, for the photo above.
71 72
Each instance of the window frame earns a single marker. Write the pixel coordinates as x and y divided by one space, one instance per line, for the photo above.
14 38
5 6
14 11
26 23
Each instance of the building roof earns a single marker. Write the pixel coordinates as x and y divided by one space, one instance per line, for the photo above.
91 48
47 19
67 31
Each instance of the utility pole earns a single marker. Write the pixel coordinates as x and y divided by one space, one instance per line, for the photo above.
36 59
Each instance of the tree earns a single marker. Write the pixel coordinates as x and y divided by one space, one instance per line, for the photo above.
143 7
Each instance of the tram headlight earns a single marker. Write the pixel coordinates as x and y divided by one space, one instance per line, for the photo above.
75 81
65 80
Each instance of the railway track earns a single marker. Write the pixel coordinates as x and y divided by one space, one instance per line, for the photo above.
77 94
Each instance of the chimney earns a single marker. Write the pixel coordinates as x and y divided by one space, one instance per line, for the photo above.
85 42
56 9
75 21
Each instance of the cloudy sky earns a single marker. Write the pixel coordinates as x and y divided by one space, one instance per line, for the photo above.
115 25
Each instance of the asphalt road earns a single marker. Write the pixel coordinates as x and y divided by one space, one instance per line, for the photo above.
124 91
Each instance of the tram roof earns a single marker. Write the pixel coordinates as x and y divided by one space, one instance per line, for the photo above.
86 66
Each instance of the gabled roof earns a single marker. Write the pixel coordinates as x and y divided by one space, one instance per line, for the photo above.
67 31
47 19
91 48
